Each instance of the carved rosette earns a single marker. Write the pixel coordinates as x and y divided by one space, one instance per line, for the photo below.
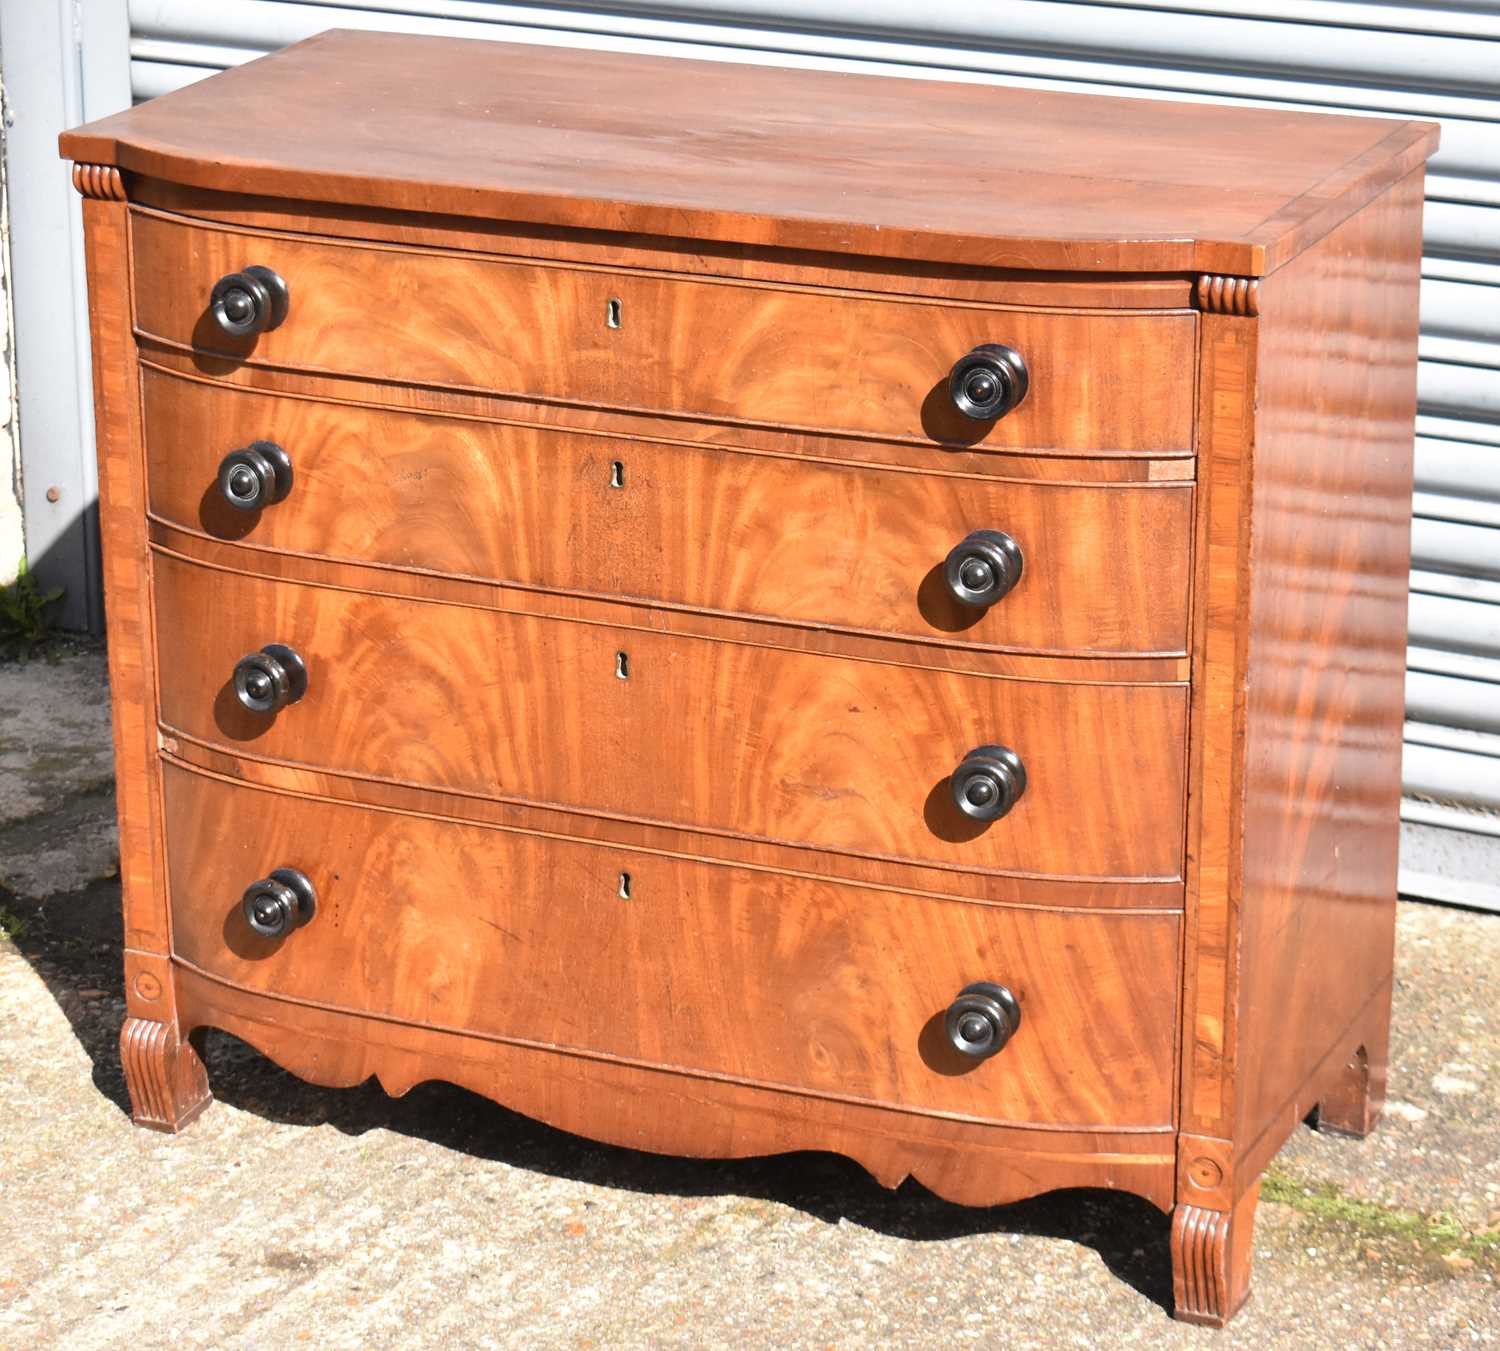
99 180
1229 295
167 1084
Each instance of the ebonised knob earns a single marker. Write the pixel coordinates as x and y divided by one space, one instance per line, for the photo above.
983 568
982 1019
989 782
255 477
249 302
989 382
277 904
270 679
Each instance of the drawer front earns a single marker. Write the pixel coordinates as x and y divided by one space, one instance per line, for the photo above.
1104 569
806 749
775 356
712 969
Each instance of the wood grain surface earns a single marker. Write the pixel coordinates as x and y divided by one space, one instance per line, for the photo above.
1043 893
713 971
1215 761
1296 762
1105 569
1327 659
843 754
1293 846
126 572
648 616
753 154
968 1162
668 253
978 461
749 351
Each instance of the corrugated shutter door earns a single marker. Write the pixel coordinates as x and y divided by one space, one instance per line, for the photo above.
1409 60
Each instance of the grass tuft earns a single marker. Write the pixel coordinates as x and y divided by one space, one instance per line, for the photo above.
27 617
1433 1236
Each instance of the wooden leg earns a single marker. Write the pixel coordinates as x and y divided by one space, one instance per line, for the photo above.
168 1087
1211 1260
1353 1103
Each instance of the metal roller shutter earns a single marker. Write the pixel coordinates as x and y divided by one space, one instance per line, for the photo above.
1440 62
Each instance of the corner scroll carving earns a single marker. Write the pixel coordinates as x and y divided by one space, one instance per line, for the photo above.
1200 1241
1211 1260
99 180
1229 295
167 1085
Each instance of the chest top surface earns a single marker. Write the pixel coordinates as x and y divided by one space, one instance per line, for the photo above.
742 154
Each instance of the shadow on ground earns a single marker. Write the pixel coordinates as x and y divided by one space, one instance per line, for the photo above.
73 941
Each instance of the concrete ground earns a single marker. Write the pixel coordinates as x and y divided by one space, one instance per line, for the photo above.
290 1215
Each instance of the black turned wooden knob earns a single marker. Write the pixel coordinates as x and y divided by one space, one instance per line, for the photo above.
270 679
983 568
255 477
249 302
982 1019
277 904
989 382
989 782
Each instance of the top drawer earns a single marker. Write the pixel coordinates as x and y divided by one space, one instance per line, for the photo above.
774 355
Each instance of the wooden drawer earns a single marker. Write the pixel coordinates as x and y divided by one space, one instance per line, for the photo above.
1105 568
806 749
716 970
778 356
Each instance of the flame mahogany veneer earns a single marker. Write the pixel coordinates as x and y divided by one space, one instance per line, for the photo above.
571 488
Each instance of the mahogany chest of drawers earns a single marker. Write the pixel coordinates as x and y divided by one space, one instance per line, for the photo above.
736 610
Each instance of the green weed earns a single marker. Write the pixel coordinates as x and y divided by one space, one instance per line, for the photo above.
27 617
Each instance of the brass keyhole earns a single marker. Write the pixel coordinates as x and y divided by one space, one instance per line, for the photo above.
612 313
622 665
617 474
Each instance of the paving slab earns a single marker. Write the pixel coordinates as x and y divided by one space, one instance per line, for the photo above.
292 1215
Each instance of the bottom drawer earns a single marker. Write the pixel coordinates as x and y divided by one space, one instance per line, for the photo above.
710 969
